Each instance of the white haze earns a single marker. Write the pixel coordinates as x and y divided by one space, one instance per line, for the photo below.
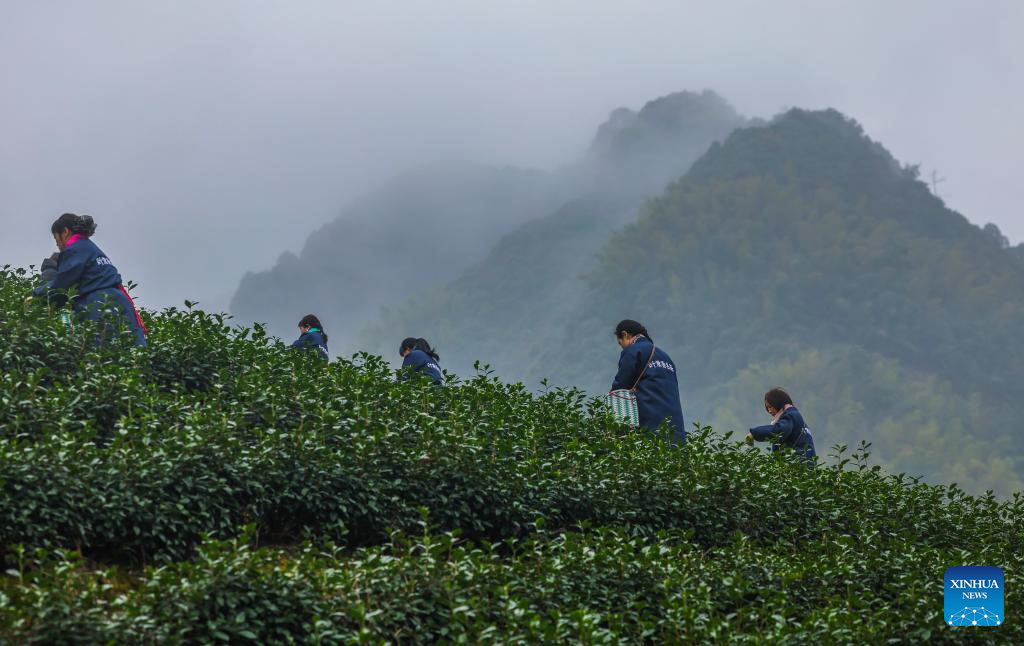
207 137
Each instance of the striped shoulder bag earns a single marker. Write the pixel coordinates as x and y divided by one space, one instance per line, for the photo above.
623 401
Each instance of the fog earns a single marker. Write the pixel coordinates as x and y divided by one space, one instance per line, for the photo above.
208 137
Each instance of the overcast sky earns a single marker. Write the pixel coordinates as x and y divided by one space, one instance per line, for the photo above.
206 137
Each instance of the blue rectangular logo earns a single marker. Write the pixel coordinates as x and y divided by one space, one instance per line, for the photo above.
974 596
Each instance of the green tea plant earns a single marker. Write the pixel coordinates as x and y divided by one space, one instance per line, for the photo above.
590 586
219 487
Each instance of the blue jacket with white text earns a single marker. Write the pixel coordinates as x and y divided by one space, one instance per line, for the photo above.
83 266
657 392
421 362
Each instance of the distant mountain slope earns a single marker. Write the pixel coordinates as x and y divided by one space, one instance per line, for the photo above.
805 244
816 233
635 154
422 228
509 301
427 226
798 253
503 308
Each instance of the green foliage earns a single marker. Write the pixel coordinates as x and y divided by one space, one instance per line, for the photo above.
219 487
602 586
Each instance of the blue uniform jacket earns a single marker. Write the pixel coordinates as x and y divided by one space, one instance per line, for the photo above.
791 431
314 338
423 363
84 266
657 392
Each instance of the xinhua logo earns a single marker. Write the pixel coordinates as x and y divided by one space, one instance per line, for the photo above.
974 596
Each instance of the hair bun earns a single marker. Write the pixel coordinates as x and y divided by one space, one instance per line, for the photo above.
86 225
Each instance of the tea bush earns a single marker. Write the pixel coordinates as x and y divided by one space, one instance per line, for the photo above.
568 527
598 586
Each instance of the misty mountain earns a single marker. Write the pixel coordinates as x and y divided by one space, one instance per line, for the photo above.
800 253
534 276
635 154
421 228
426 227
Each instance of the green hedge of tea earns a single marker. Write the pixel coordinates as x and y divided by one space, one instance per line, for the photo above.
601 586
136 457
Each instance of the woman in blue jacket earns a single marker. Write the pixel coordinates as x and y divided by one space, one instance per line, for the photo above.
787 429
653 374
83 266
312 336
418 356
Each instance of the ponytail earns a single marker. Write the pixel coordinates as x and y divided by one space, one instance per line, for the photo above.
412 343
421 344
312 321
82 225
631 327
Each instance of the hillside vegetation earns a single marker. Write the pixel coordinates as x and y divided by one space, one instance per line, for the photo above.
797 252
218 487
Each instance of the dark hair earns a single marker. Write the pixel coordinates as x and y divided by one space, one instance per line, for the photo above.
777 398
629 326
412 343
81 224
312 321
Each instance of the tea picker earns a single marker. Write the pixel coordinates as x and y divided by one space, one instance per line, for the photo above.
419 357
788 428
645 391
312 337
82 266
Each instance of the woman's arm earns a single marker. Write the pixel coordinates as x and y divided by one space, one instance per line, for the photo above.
779 430
48 270
417 360
409 366
69 270
629 362
69 273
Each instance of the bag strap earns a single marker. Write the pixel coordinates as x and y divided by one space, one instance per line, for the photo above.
649 359
796 440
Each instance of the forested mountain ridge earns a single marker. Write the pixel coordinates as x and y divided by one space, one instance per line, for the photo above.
534 275
821 218
507 303
427 226
798 253
802 253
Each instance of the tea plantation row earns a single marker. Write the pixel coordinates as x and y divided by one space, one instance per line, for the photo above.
135 457
603 586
